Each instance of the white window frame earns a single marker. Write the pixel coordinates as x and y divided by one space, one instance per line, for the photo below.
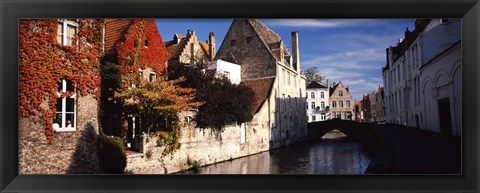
322 104
313 105
322 95
154 76
340 104
312 95
65 23
62 127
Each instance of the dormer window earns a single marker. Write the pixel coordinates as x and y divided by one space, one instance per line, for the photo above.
66 30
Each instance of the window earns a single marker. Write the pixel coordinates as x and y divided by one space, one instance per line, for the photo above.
66 114
152 77
232 42
322 116
249 39
66 30
340 104
340 93
322 104
288 78
322 95
334 104
313 95
146 43
313 105
313 118
348 103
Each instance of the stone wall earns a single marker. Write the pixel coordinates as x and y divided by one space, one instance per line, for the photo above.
70 152
202 145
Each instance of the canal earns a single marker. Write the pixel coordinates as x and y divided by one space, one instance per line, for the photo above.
333 154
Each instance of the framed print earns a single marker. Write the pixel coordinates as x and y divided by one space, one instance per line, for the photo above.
239 96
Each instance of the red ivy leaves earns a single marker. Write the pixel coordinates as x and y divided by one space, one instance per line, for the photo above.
133 53
44 63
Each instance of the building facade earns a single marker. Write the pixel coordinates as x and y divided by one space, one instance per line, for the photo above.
341 103
317 102
265 60
136 46
422 77
59 87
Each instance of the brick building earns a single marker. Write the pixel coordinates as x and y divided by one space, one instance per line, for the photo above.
59 68
267 63
341 104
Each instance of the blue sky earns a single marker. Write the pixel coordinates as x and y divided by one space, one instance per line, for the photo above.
347 50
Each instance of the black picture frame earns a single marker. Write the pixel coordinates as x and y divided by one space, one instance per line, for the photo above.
11 11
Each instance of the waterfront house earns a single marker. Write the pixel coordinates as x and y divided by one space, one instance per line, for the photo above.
59 88
317 102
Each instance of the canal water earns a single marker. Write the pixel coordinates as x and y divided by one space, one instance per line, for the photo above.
334 154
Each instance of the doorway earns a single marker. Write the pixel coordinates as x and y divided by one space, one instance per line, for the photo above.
445 116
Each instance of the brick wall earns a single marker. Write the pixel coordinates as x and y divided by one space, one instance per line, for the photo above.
70 152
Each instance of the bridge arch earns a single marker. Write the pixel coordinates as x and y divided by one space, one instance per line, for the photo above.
362 132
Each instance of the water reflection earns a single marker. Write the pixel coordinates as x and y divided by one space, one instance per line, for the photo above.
320 157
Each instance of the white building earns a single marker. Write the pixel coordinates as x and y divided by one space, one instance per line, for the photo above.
230 70
422 77
317 102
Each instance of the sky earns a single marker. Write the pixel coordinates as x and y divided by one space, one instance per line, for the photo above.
348 50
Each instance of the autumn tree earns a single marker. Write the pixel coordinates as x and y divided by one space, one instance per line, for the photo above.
312 75
225 103
154 100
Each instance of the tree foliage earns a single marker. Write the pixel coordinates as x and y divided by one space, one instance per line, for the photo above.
153 100
224 103
312 75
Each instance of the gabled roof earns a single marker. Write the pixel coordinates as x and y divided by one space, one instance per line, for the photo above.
115 30
314 84
262 87
269 38
332 89
175 49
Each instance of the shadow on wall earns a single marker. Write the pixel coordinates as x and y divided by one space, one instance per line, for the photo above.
85 157
289 122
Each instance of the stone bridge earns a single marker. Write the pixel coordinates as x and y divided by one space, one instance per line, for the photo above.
361 132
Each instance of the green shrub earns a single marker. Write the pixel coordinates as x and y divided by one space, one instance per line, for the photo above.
113 158
196 165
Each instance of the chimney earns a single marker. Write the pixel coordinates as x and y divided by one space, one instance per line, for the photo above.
295 53
211 45
328 83
281 54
